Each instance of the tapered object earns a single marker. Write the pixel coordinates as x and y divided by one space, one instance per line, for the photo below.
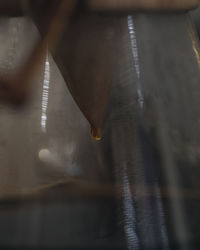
85 58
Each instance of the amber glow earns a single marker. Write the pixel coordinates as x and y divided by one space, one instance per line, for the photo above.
96 134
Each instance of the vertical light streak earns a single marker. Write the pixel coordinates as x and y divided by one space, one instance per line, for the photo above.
129 214
45 94
129 201
134 48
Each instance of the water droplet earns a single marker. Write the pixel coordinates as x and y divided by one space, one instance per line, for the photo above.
96 134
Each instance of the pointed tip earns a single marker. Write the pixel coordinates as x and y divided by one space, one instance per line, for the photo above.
96 133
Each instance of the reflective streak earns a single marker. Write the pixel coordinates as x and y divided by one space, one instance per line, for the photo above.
161 217
195 43
129 213
135 59
45 94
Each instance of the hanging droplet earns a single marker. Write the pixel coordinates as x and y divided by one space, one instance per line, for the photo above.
85 58
96 134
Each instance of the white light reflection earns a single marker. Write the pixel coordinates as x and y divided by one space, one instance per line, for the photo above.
129 201
136 59
130 214
45 94
44 155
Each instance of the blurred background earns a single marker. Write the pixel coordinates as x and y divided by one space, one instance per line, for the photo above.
138 187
